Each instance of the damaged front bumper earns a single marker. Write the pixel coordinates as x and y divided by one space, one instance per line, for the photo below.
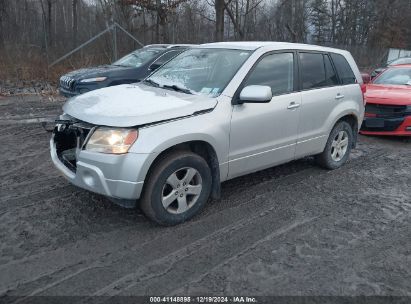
115 176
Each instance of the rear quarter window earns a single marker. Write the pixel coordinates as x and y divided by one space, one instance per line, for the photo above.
344 70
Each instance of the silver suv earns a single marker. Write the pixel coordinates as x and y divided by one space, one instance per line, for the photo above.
214 112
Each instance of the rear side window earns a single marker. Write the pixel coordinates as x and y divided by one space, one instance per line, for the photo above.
343 69
312 71
331 76
275 71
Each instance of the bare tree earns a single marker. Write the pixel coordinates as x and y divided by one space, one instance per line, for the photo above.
32 29
219 6
163 8
74 4
242 15
320 20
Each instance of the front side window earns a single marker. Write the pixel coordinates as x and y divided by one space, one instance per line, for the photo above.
395 76
343 69
275 71
200 71
138 58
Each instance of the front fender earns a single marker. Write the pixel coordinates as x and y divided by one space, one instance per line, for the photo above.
211 128
156 150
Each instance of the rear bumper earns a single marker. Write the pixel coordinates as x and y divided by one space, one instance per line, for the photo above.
403 129
114 176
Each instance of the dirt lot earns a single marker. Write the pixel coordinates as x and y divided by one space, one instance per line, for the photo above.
291 230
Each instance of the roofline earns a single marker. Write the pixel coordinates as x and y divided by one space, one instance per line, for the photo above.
168 46
255 45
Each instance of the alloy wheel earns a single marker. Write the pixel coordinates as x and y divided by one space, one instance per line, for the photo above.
181 190
339 146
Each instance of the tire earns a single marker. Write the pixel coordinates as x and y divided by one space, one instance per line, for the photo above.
177 188
338 147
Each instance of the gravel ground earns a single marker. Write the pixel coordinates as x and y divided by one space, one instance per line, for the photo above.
291 230
11 88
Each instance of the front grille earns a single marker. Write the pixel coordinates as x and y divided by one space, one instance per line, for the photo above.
67 83
383 111
69 138
383 117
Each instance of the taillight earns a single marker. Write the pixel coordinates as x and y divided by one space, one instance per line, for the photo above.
363 90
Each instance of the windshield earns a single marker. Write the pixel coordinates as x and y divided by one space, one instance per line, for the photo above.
138 58
406 60
200 71
396 76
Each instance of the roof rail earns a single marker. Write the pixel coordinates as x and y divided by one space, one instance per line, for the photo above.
179 45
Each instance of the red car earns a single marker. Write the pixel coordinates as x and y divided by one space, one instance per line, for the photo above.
388 103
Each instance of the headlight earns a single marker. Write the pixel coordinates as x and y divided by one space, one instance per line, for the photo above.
113 141
96 79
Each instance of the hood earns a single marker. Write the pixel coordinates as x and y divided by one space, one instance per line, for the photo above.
388 94
103 70
133 105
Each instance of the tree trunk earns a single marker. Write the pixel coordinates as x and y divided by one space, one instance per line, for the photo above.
49 7
219 22
164 30
74 40
158 3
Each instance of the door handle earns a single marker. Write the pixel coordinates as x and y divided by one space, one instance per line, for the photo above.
293 105
339 96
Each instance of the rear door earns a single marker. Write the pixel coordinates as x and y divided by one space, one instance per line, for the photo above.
352 90
321 93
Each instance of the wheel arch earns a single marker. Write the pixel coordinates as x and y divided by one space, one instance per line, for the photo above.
352 119
200 147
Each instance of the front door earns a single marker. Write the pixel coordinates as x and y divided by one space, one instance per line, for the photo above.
265 134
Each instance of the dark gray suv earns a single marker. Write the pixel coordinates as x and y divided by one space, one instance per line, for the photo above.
131 68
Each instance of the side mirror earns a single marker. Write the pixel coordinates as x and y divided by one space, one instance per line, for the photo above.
256 94
366 78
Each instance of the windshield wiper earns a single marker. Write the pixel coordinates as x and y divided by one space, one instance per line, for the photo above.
152 82
167 86
177 88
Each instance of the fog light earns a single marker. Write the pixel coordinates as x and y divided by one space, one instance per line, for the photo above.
408 128
88 179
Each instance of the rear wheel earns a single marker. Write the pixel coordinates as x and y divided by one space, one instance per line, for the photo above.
177 188
338 147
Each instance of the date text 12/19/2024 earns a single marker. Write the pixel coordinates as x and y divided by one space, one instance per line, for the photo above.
207 299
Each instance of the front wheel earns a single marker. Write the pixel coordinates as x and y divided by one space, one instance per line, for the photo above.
338 147
177 188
